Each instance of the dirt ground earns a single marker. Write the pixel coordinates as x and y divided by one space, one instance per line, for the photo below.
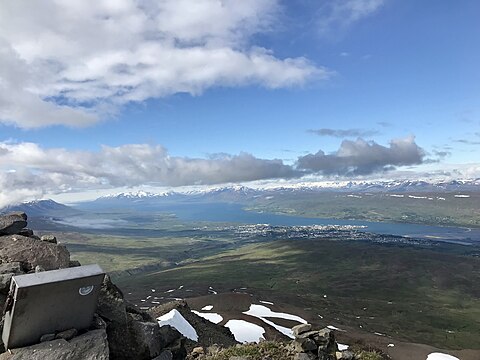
231 303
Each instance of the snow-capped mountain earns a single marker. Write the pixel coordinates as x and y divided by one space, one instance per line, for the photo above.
236 193
43 208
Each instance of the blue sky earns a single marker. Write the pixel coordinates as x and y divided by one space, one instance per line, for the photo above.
201 85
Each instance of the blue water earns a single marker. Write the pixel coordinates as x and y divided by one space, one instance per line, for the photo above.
222 212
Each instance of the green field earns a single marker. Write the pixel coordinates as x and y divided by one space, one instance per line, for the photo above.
452 211
415 294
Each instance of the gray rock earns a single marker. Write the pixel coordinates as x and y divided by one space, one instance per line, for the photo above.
92 345
345 355
303 345
26 232
30 253
74 263
324 338
11 267
5 282
165 355
169 334
98 322
47 337
300 329
304 356
67 334
49 238
148 337
12 223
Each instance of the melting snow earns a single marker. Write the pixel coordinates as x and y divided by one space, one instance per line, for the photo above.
207 308
342 347
462 196
176 320
244 331
169 291
395 195
260 311
390 345
212 317
331 327
266 302
441 356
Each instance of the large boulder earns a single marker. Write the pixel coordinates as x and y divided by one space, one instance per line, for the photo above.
92 345
12 223
31 252
132 334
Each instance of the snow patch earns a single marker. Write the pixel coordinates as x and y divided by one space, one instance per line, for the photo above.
212 317
331 327
176 320
342 347
207 308
266 302
260 311
441 356
244 331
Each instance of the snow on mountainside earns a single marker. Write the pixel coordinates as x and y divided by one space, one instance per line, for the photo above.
238 191
41 208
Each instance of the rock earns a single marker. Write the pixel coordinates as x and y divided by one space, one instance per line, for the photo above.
345 355
12 223
74 263
300 329
131 334
303 345
304 356
39 268
149 341
67 334
26 232
49 238
178 349
11 267
198 351
98 323
169 334
92 345
237 358
165 355
111 306
308 334
5 282
324 338
30 253
47 337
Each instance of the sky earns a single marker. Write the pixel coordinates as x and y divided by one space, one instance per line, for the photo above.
97 96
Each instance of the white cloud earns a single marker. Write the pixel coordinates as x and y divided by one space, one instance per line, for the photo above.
52 171
74 63
338 15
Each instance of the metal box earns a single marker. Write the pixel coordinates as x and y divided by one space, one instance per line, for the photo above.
50 301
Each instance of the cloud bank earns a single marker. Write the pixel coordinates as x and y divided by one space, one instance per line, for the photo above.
30 171
74 63
362 157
